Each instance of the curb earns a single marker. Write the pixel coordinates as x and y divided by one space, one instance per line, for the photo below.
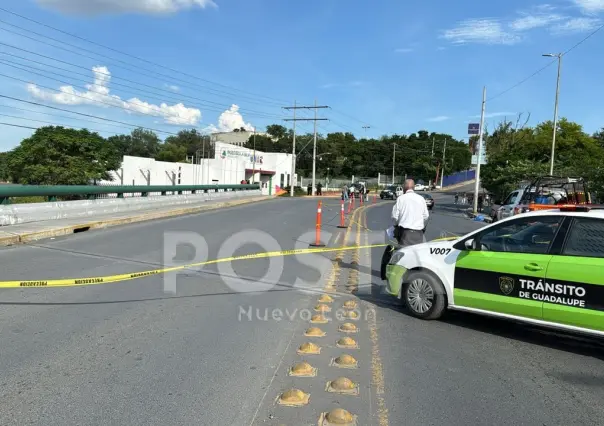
26 237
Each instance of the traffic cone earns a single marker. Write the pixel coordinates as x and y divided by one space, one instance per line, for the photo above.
318 242
342 219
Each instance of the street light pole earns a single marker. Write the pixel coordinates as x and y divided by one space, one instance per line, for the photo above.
393 161
293 172
559 56
314 152
480 153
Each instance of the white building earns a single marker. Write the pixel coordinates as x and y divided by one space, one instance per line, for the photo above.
272 170
232 165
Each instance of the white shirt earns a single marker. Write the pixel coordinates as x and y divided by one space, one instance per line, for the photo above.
410 211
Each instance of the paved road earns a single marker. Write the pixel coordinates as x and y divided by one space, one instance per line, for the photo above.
219 350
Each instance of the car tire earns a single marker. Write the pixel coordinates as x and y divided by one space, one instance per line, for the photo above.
381 197
419 283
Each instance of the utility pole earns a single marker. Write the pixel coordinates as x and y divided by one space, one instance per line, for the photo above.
479 157
393 161
254 162
559 56
314 153
442 169
366 127
432 146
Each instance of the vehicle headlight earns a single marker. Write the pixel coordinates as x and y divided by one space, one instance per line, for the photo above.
396 257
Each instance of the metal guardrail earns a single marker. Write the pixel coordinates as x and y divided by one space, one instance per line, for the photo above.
91 192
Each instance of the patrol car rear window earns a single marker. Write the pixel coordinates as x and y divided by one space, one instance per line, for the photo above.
586 238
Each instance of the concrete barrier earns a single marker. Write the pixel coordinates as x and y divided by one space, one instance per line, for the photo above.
15 214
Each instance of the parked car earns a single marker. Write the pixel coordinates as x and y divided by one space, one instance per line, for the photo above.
429 200
391 192
420 187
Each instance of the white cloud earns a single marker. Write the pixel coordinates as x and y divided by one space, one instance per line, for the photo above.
590 6
403 50
494 114
229 120
328 86
438 118
172 87
97 7
576 25
484 31
98 94
537 17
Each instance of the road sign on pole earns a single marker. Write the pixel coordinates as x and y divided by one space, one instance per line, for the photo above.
473 128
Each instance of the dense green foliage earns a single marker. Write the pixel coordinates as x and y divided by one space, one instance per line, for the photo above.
60 156
345 155
517 154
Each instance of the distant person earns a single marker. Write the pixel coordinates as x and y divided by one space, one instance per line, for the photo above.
319 189
480 203
410 215
345 193
309 189
456 197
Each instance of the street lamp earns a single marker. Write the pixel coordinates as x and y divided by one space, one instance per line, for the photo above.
559 56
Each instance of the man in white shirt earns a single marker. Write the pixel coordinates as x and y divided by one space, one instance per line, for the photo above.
410 215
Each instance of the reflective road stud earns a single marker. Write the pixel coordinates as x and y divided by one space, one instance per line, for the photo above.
318 319
350 304
322 308
344 361
309 348
303 369
339 417
294 398
314 332
342 385
347 342
325 299
348 327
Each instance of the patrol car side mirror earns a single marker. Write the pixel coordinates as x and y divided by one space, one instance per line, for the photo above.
472 244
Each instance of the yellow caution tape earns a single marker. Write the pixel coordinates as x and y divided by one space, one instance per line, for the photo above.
135 275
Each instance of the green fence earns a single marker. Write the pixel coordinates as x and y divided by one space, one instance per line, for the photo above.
52 193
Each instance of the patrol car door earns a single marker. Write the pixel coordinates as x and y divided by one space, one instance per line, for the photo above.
508 259
574 290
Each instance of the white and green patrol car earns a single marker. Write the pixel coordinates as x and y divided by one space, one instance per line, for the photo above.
544 268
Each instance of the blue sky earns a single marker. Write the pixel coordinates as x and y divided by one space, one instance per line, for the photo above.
395 66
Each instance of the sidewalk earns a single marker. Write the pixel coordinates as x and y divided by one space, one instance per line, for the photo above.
23 233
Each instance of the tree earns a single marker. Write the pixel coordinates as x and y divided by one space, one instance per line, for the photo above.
172 152
61 156
4 175
139 143
193 142
277 131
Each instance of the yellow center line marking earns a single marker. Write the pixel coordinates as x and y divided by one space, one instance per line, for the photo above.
377 369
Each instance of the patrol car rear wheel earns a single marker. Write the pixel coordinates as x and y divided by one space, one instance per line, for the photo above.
424 295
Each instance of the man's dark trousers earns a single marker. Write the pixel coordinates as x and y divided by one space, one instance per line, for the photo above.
410 237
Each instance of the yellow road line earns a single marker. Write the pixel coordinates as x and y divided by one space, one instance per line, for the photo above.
377 370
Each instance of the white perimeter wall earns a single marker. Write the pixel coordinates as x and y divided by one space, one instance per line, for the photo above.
135 170
279 163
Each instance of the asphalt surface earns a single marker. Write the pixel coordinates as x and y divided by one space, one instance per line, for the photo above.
218 351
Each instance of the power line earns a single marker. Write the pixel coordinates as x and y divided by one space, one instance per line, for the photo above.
130 55
85 115
63 116
107 74
351 117
52 123
7 62
583 40
17 125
